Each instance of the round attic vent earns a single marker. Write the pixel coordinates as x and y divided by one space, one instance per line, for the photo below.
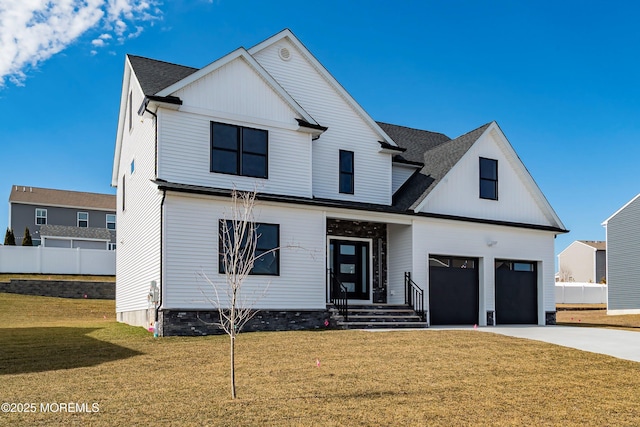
284 53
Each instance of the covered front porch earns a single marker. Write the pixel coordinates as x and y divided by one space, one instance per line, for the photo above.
357 277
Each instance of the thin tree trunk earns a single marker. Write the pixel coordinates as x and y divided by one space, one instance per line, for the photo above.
233 365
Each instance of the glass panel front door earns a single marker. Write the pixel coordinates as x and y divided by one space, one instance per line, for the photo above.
349 261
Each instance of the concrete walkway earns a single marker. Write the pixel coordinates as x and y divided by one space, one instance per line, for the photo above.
612 342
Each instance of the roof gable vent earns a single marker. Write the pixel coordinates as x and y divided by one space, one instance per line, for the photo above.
284 53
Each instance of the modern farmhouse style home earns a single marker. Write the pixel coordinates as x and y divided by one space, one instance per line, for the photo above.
374 221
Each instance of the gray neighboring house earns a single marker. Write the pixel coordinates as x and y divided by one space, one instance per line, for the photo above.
583 261
61 218
623 254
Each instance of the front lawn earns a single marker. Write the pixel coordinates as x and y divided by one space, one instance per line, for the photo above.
56 351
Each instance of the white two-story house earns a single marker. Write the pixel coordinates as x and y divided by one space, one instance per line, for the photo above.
383 211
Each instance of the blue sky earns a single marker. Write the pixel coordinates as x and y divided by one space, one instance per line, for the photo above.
560 78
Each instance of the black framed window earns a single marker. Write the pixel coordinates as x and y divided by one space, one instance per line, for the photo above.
266 254
239 150
488 179
346 172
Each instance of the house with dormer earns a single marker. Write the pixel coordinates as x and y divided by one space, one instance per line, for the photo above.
454 230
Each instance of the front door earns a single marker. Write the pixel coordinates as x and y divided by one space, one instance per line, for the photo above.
349 262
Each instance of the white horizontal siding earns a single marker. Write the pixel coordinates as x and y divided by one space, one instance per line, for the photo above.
458 193
440 237
185 153
399 175
623 256
191 247
138 227
399 259
347 129
236 88
577 263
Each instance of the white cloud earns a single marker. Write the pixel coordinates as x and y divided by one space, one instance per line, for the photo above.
34 30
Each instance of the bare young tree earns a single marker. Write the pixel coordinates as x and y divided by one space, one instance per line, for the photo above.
238 242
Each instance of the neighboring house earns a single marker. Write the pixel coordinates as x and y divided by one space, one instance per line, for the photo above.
368 201
61 218
583 261
623 256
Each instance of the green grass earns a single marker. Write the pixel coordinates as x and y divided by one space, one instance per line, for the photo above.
54 350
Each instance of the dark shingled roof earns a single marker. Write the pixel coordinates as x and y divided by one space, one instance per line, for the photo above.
438 161
155 75
436 151
49 230
415 141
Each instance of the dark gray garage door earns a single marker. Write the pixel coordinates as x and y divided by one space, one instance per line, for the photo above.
516 292
453 290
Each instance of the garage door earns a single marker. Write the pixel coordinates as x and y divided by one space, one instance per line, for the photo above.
453 290
516 292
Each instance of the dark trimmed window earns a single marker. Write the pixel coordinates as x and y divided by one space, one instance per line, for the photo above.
346 172
267 254
488 179
239 150
130 111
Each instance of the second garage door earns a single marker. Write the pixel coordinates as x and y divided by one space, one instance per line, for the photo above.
516 292
453 290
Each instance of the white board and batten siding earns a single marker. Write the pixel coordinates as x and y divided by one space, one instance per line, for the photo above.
443 237
191 248
458 192
347 129
234 94
623 259
138 226
400 249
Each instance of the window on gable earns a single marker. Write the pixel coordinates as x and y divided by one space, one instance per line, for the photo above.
266 255
488 179
41 216
346 172
111 222
239 150
83 219
132 167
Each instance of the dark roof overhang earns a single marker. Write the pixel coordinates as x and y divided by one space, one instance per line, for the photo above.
358 206
390 147
167 100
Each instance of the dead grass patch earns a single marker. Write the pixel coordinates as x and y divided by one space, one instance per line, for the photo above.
389 378
598 318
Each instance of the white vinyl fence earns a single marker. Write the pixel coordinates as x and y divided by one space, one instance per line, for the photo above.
580 293
44 260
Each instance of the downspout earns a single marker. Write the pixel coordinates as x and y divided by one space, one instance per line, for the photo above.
160 293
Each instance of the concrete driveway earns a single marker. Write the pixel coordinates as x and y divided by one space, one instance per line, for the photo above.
612 342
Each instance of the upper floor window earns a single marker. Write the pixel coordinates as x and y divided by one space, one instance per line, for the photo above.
266 256
346 172
133 166
488 179
111 221
83 219
41 216
239 150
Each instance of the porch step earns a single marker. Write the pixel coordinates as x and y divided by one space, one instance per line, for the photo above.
378 316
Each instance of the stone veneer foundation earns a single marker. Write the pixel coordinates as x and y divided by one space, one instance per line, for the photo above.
194 323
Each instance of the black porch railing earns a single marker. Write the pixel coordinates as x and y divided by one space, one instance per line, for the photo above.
338 295
414 296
